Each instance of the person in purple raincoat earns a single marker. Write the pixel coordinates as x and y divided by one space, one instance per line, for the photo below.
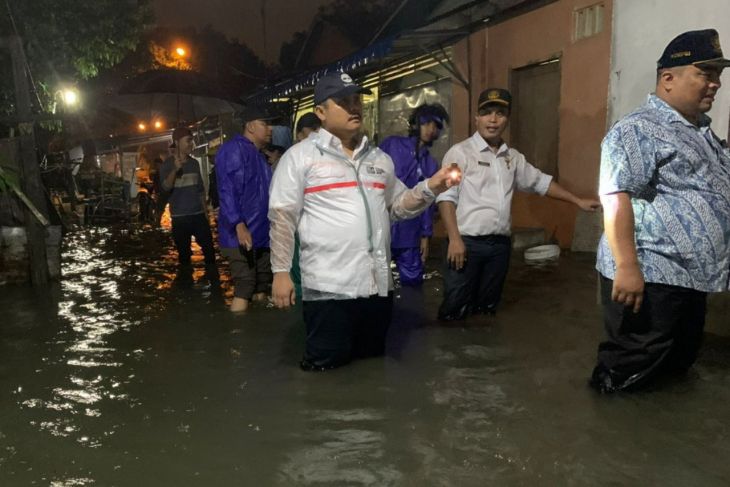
413 163
244 175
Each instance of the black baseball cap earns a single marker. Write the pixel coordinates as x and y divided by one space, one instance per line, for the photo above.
693 47
495 96
336 85
251 113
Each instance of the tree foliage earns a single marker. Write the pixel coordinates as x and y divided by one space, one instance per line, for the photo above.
289 51
358 20
233 65
68 40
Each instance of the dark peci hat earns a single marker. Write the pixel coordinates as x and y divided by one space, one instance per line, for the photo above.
495 96
178 134
693 47
336 85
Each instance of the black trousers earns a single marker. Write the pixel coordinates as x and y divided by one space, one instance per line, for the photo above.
477 287
663 337
341 330
184 227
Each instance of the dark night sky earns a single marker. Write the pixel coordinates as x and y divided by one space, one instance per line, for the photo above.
241 19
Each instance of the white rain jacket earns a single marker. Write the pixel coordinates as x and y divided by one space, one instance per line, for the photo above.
341 208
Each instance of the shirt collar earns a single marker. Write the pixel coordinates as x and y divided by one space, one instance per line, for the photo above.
326 139
482 145
669 114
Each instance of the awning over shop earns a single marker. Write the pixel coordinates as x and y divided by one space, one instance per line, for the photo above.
308 79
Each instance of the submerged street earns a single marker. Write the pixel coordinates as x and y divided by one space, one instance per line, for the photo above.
127 373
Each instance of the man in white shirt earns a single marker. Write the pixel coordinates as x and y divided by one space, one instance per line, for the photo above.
339 193
477 214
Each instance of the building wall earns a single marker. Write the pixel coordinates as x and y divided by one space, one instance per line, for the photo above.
538 36
642 31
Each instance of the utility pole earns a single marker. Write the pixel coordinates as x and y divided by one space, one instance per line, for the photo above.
31 182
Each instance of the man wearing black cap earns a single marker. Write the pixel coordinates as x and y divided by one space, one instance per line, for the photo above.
339 193
181 179
477 214
243 177
665 188
307 123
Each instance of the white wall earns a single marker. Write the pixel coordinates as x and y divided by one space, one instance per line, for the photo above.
641 31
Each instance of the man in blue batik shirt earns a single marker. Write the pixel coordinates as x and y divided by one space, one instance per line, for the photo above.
665 189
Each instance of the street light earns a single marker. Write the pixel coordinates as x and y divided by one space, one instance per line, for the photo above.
159 124
142 127
70 97
181 51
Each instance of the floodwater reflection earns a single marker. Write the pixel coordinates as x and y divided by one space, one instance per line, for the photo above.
132 371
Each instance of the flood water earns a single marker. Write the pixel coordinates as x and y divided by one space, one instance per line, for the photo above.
127 373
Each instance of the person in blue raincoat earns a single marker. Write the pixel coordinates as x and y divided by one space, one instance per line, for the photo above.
413 164
244 175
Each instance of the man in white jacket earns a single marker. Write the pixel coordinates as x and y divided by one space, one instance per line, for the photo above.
339 193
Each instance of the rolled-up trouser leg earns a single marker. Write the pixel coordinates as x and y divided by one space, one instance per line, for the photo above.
409 265
665 335
242 276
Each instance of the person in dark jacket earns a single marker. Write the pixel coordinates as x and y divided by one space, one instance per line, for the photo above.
243 176
413 163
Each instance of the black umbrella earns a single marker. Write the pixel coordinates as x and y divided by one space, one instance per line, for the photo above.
183 96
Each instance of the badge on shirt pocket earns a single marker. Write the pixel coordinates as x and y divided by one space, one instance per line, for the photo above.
484 163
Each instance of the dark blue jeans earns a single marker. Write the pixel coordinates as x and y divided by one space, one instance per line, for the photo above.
477 287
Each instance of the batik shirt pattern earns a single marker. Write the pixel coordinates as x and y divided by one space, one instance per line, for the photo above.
678 177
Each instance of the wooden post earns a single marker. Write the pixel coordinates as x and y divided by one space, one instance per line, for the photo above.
31 182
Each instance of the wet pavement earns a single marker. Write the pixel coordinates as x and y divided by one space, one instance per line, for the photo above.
129 373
